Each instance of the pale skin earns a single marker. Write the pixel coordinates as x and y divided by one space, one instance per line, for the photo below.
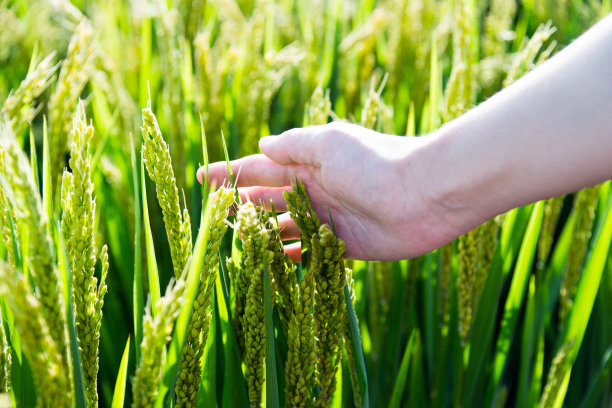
391 197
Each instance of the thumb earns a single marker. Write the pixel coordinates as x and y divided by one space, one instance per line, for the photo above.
295 146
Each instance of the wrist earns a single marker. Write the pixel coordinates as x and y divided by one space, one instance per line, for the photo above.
462 179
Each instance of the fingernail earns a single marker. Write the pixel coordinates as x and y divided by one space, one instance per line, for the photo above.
265 140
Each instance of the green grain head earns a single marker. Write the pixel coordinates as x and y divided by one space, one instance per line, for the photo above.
159 166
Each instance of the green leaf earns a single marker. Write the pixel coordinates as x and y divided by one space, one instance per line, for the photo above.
576 323
515 296
77 370
600 384
46 173
121 382
154 288
33 158
481 336
137 305
357 348
229 169
206 161
402 375
272 400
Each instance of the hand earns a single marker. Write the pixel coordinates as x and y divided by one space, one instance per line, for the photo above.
365 179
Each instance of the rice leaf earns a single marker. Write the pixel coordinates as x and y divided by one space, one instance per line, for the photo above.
576 323
137 302
154 288
357 348
77 372
515 296
121 382
483 326
402 375
46 173
600 384
33 158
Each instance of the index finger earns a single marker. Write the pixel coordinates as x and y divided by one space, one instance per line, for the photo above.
254 170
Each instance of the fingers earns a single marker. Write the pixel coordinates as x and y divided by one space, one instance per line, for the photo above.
262 196
288 229
255 170
295 146
294 251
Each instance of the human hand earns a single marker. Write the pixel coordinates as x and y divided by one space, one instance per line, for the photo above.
365 178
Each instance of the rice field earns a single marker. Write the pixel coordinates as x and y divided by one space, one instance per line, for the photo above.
123 282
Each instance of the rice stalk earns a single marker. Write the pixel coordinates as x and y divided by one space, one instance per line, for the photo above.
319 107
73 76
301 357
78 206
156 334
30 214
523 60
190 369
44 354
373 107
444 282
347 341
156 157
585 205
327 267
282 276
552 211
5 357
555 375
19 107
169 44
8 225
498 26
255 257
466 279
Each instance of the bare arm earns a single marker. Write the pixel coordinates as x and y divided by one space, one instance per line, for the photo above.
548 134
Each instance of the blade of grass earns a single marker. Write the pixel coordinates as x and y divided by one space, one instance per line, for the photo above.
154 288
137 302
588 286
515 298
206 161
357 348
591 399
34 158
486 314
402 375
77 370
46 173
120 384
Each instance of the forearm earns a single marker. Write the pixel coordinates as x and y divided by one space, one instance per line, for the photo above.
548 134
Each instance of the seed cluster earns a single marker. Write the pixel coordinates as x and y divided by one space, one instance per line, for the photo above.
156 333
78 206
156 156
